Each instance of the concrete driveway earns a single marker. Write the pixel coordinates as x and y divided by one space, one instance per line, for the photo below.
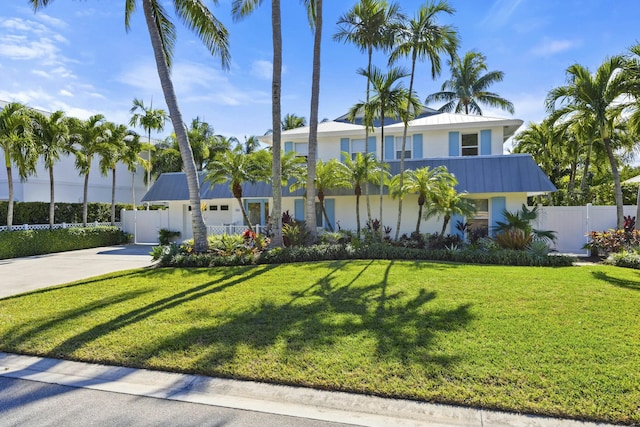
20 275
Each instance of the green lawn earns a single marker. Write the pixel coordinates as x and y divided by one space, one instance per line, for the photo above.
563 342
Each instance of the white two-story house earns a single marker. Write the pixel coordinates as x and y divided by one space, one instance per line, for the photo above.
470 146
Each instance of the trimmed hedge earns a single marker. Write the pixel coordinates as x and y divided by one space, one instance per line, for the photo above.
14 244
324 252
38 212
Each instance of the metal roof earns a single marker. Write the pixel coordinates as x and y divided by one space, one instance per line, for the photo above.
514 173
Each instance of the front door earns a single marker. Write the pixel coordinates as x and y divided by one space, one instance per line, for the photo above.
257 211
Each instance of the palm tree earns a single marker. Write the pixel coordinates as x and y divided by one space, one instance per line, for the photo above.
236 167
314 8
205 144
17 146
444 201
291 121
420 38
369 25
362 170
595 96
149 119
329 175
240 9
423 182
51 136
89 139
389 100
468 86
251 144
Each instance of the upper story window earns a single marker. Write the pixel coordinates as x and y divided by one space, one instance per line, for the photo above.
357 146
407 148
469 144
301 149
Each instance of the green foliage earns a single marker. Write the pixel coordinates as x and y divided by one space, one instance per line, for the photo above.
625 258
14 244
612 241
295 234
38 212
167 236
517 232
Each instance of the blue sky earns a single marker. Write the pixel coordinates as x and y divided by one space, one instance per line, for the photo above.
76 56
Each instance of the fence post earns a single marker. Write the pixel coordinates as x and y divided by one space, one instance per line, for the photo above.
25 227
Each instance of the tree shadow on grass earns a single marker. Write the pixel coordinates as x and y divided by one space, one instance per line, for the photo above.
622 283
395 325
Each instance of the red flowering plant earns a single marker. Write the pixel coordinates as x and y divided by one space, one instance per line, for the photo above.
254 241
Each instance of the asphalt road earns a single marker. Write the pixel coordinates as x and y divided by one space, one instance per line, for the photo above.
34 404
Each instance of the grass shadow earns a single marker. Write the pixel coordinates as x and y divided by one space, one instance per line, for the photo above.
622 283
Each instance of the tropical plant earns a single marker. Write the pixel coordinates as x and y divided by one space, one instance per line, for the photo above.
362 170
329 175
240 9
369 25
292 121
235 168
390 98
517 232
205 143
595 97
467 88
149 119
17 146
250 144
51 136
444 201
421 38
198 18
88 138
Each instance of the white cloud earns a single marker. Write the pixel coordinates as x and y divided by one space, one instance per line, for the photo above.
548 47
65 92
500 13
262 69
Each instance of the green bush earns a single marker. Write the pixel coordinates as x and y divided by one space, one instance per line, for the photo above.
38 212
15 244
166 236
628 259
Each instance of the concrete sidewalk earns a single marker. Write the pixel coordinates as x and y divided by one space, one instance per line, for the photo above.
20 275
298 402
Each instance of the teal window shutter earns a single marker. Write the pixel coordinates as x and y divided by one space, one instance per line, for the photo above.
389 147
372 144
417 146
454 144
330 207
498 205
485 142
455 218
298 209
344 147
288 147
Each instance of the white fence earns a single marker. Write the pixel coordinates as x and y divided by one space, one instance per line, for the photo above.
56 226
232 229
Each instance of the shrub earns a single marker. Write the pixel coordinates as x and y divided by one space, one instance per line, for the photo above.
628 259
612 241
15 244
167 236
38 212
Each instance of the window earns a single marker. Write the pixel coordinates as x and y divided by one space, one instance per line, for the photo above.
213 207
479 223
301 149
224 207
470 144
407 148
357 146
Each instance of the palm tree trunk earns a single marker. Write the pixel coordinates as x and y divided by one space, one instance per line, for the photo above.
444 225
585 173
616 183
358 192
276 216
244 213
404 141
366 131
201 243
419 218
381 170
310 215
113 197
10 182
85 202
52 204
324 211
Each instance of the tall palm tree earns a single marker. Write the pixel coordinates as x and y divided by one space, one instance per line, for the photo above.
423 182
362 170
51 136
292 121
444 201
369 25
329 175
149 119
236 167
251 144
240 9
314 11
467 88
595 96
17 146
422 38
389 99
198 18
89 139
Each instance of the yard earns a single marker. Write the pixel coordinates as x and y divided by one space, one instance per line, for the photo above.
555 341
